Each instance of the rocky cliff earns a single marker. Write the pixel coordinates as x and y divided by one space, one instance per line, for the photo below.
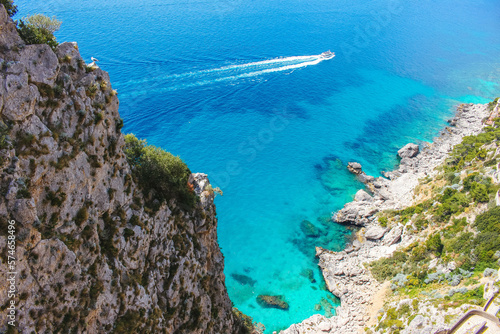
92 255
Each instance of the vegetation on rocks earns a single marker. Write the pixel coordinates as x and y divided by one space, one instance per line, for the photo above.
39 29
162 175
9 7
106 262
457 225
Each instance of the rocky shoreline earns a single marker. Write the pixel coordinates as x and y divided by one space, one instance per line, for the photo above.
344 273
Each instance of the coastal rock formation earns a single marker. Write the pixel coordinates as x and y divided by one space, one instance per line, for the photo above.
344 272
272 302
408 151
355 168
94 254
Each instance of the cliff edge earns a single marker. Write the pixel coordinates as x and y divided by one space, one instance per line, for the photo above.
93 253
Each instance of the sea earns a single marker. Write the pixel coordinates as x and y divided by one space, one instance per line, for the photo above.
238 89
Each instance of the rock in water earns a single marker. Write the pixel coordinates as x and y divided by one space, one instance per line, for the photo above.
269 301
362 196
309 229
243 279
309 274
408 151
355 168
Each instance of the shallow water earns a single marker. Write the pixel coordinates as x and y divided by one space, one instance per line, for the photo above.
236 88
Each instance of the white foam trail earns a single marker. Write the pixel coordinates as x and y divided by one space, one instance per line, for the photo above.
313 60
225 68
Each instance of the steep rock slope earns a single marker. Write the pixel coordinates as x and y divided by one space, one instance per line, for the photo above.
92 255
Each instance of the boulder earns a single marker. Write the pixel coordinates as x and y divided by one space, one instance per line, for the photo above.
393 236
309 229
363 178
355 168
362 196
417 322
408 151
375 232
269 301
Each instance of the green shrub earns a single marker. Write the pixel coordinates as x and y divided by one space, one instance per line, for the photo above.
39 29
9 7
493 104
98 117
479 192
128 323
452 202
118 124
81 216
489 221
434 244
461 244
469 180
4 132
127 233
159 172
387 268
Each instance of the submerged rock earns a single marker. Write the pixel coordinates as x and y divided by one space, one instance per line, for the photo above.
309 229
325 303
243 279
269 301
309 274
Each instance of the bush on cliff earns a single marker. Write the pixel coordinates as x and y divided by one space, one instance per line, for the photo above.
39 29
9 7
161 175
434 244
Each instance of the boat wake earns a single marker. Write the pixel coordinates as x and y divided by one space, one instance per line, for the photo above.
173 82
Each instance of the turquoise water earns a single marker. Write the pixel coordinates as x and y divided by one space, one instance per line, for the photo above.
236 88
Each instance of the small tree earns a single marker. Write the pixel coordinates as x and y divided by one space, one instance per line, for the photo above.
479 192
160 173
39 29
434 244
9 7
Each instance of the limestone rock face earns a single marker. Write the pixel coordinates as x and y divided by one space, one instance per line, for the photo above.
92 255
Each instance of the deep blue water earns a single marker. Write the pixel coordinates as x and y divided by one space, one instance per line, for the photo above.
235 87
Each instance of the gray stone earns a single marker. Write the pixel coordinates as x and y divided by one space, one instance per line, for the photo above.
355 168
41 63
408 151
8 36
375 232
20 98
417 322
362 196
393 236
